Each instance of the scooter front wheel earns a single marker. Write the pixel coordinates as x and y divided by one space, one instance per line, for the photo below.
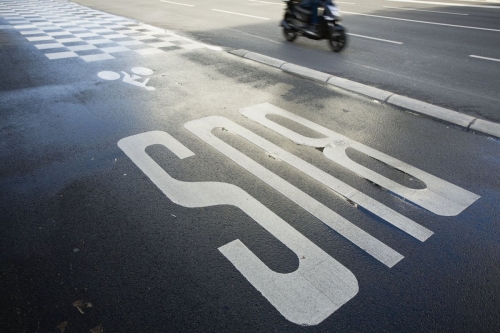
289 34
338 41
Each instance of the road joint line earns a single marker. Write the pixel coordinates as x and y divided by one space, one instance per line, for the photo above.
423 108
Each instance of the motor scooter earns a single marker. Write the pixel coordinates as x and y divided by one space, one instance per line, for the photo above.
296 23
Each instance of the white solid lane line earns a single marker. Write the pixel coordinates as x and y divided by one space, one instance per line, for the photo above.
445 4
485 58
345 3
424 22
481 1
427 11
177 3
379 39
233 13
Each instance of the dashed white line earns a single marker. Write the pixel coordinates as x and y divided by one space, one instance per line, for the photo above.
379 39
446 4
177 3
224 11
484 58
427 11
424 22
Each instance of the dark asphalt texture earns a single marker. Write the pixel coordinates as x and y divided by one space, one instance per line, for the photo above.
432 64
80 221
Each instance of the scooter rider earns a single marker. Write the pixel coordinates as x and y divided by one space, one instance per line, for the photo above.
312 5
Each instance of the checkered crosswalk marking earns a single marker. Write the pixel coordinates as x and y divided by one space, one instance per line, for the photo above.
62 29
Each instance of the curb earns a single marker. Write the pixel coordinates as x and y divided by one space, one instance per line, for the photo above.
447 115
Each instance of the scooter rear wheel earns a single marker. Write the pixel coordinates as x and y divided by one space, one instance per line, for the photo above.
338 42
289 34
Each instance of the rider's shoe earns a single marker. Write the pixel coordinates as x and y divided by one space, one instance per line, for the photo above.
313 30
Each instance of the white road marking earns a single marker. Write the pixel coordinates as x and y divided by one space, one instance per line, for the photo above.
148 51
162 44
81 22
59 33
202 128
115 36
233 13
177 3
192 46
379 39
99 31
129 31
38 39
142 71
81 47
130 43
427 11
69 40
127 78
50 28
31 32
170 39
25 26
61 55
320 285
410 227
424 22
481 1
76 29
142 37
346 3
446 4
439 196
50 46
108 75
485 58
115 49
99 41
97 57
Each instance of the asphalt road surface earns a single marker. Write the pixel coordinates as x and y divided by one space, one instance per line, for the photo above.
444 52
155 183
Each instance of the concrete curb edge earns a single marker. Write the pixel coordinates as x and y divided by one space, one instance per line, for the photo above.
447 115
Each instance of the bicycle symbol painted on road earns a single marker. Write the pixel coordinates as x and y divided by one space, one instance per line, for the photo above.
138 72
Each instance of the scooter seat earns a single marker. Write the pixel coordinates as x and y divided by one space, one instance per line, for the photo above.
303 10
